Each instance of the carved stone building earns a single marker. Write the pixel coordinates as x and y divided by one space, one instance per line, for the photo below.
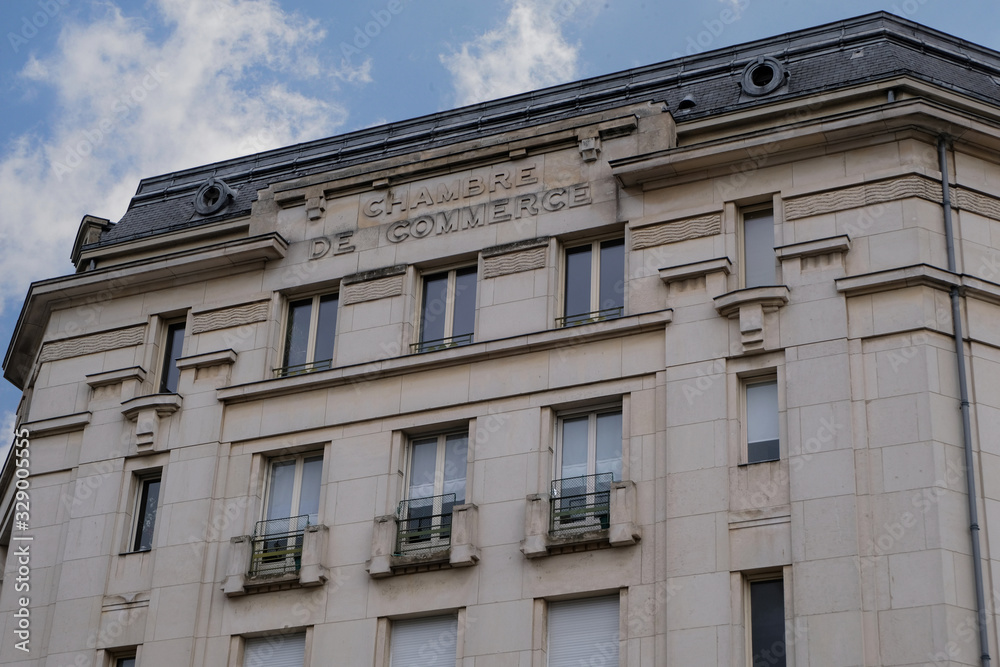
656 368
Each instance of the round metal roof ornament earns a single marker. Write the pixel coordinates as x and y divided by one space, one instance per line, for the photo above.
762 76
213 196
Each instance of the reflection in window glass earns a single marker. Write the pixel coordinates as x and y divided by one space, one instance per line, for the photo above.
762 421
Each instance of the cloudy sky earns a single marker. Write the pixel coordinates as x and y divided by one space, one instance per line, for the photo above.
96 94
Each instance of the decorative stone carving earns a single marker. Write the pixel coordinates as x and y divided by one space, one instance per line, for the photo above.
750 306
224 318
514 262
677 230
865 194
98 342
372 285
146 412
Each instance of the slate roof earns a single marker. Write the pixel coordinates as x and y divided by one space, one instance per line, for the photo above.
854 51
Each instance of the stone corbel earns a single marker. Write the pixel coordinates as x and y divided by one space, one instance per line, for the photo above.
624 529
215 366
315 207
312 572
750 306
146 412
590 148
464 536
240 551
383 546
712 271
536 526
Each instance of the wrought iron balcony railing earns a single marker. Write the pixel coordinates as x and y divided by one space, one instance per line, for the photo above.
299 369
587 318
277 546
424 523
580 504
440 343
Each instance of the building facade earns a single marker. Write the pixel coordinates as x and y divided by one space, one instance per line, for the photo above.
657 368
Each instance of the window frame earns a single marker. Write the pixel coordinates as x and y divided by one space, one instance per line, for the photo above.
440 537
450 339
169 356
239 657
595 312
592 412
746 382
748 580
459 620
311 364
299 459
753 210
141 480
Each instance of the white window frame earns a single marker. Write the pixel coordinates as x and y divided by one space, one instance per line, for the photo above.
141 479
595 281
440 463
311 336
449 312
745 383
296 484
751 210
757 577
592 414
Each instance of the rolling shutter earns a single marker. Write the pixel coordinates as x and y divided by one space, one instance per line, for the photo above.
275 651
584 632
424 642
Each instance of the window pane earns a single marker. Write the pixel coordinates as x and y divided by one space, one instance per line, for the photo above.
435 304
767 628
612 286
423 461
297 332
577 281
609 444
455 458
125 662
762 421
326 329
574 447
149 496
279 502
312 472
464 320
758 248
173 345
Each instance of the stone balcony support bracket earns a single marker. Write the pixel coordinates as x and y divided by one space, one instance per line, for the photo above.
236 571
464 536
146 412
750 306
383 546
624 529
536 526
312 572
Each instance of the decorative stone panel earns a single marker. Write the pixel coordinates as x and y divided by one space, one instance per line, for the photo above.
224 318
515 257
93 343
865 194
974 202
677 230
372 285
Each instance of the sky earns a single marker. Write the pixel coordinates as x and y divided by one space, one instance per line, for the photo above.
97 94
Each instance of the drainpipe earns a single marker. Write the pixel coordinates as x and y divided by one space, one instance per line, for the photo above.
963 388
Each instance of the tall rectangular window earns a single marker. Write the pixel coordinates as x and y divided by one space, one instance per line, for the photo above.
275 650
762 422
427 642
173 344
767 622
309 334
435 484
292 503
758 248
146 503
595 282
589 459
447 309
583 632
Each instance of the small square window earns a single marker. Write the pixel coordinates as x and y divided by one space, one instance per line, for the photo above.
594 287
435 483
447 309
146 504
173 345
762 421
310 329
766 621
758 248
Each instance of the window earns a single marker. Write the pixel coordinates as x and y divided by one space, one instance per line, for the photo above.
595 282
275 651
589 459
172 346
766 627
309 334
761 405
435 484
292 503
146 503
582 630
125 662
447 309
758 248
428 642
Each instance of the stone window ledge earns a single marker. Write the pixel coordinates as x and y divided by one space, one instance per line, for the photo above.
208 359
136 373
311 571
56 425
674 274
462 550
825 246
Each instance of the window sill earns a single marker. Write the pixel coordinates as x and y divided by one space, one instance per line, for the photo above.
311 571
474 352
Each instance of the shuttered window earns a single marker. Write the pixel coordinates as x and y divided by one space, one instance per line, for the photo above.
584 632
424 642
275 651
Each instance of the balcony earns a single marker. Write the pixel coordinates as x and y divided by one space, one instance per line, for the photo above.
587 318
424 534
441 343
281 554
588 512
301 369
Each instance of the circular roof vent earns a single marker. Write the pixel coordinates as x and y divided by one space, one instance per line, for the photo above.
213 196
762 76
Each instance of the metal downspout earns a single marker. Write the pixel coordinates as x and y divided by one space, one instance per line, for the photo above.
963 388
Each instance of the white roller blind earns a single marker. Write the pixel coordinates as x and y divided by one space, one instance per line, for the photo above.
275 651
584 632
424 642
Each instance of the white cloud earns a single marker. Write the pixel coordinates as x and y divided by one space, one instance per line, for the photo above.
527 52
217 83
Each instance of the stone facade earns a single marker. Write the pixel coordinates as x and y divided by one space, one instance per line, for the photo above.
861 518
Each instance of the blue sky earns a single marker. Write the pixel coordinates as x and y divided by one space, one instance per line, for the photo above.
95 95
